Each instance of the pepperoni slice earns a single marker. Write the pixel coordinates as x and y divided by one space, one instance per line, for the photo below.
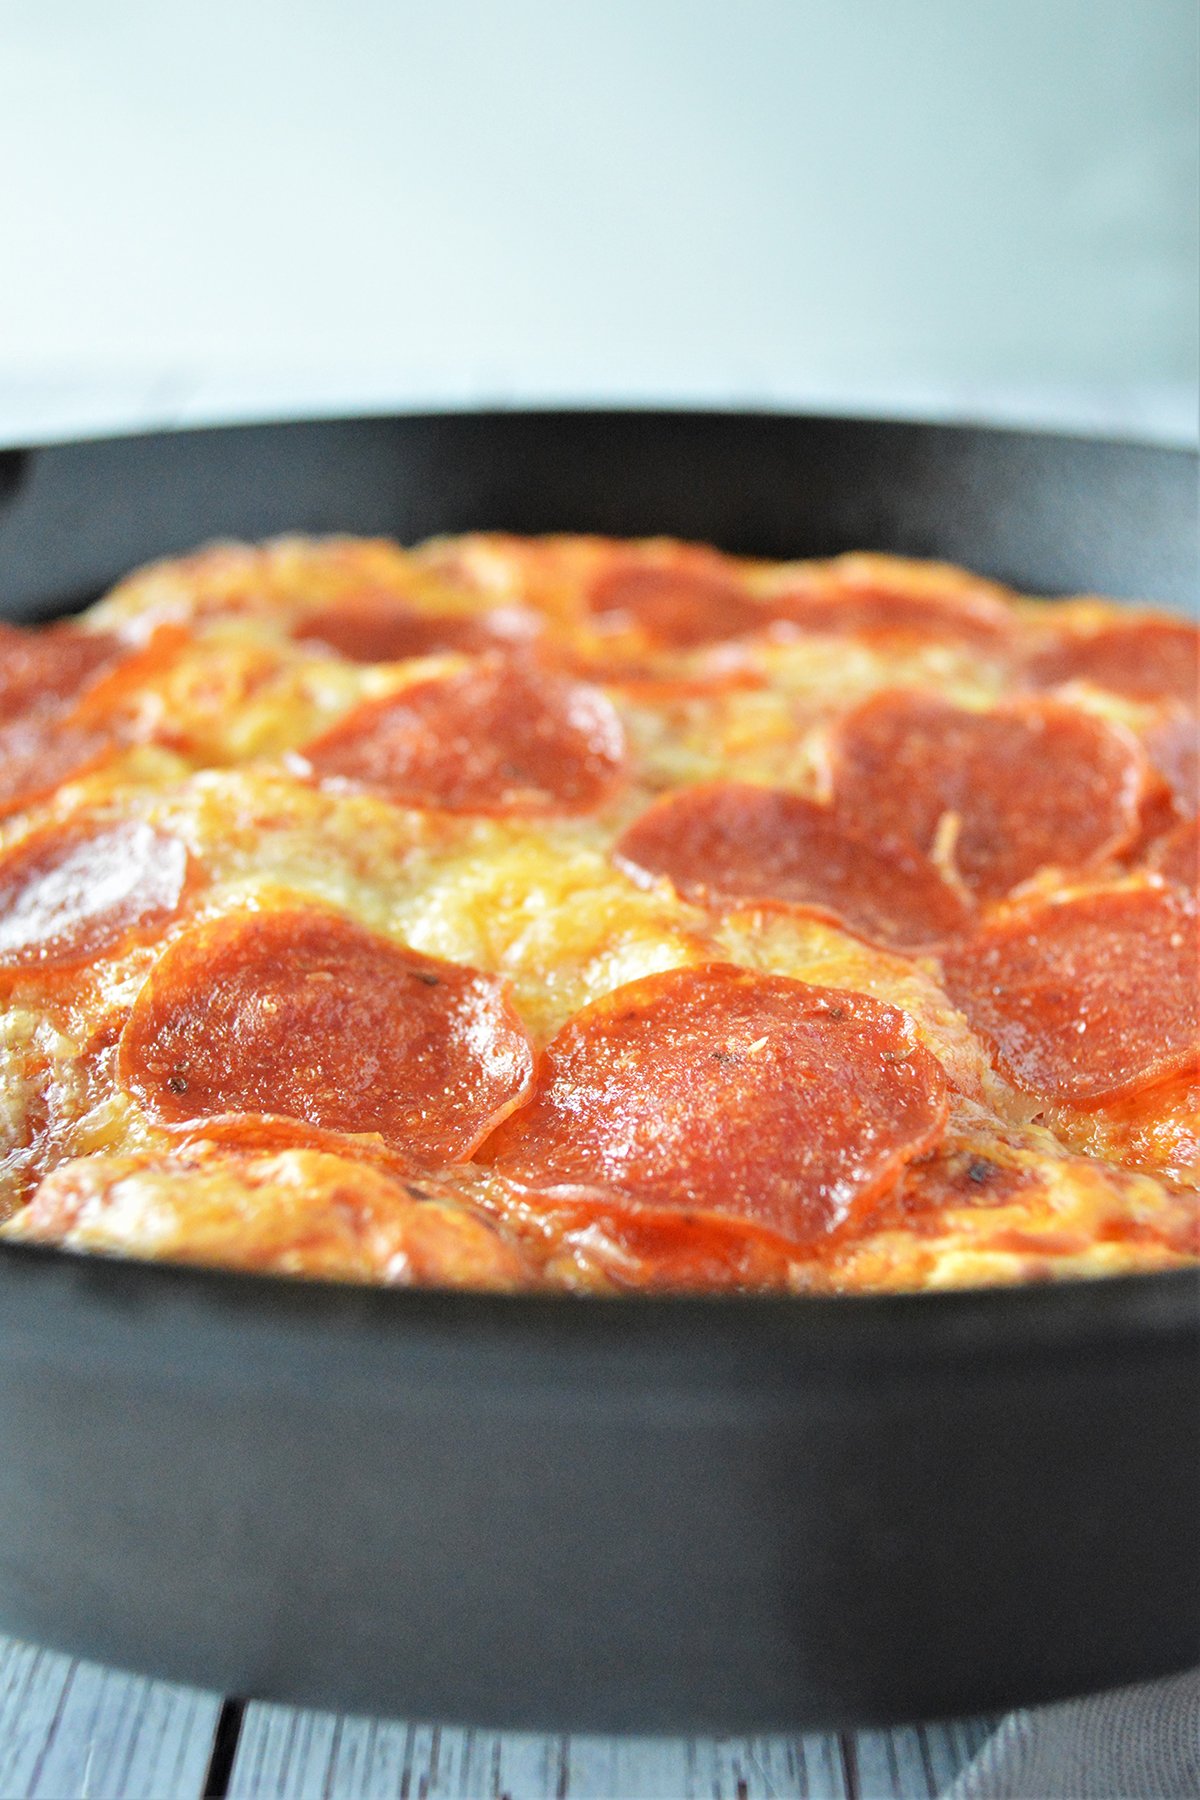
306 1014
117 695
661 1247
1174 748
382 629
1087 998
39 752
733 1092
868 609
66 704
50 666
1008 792
730 842
1177 857
273 1131
505 736
73 892
1144 659
677 607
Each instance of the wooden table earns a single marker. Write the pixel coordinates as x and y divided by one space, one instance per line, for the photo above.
70 1730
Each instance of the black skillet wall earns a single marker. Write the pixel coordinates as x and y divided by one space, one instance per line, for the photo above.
1049 514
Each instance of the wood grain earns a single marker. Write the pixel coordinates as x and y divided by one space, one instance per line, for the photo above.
70 1730
73 1731
288 1755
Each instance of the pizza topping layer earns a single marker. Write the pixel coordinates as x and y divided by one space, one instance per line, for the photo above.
1177 857
720 1088
861 602
724 841
677 607
1144 658
39 753
46 668
1173 746
375 628
292 1212
248 1131
73 892
1086 998
59 723
503 736
1008 791
584 1236
574 914
306 1014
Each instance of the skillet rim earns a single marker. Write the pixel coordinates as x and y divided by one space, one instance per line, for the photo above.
649 409
1076 1313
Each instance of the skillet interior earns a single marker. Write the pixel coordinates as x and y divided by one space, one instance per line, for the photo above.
560 1513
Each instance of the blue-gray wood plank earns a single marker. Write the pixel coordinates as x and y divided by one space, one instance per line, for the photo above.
284 1754
72 1731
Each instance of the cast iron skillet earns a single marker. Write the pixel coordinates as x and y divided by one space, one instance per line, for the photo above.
637 1514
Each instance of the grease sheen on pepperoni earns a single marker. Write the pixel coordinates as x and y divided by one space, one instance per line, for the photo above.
504 736
1028 785
375 630
44 667
73 892
1143 659
728 841
306 1014
733 1092
1089 998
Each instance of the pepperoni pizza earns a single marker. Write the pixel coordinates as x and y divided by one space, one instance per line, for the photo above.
584 915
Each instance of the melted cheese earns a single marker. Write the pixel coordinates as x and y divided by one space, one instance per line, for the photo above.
1018 1190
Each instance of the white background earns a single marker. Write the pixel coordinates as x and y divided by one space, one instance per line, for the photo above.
966 207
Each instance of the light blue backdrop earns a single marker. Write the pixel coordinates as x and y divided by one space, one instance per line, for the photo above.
961 201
